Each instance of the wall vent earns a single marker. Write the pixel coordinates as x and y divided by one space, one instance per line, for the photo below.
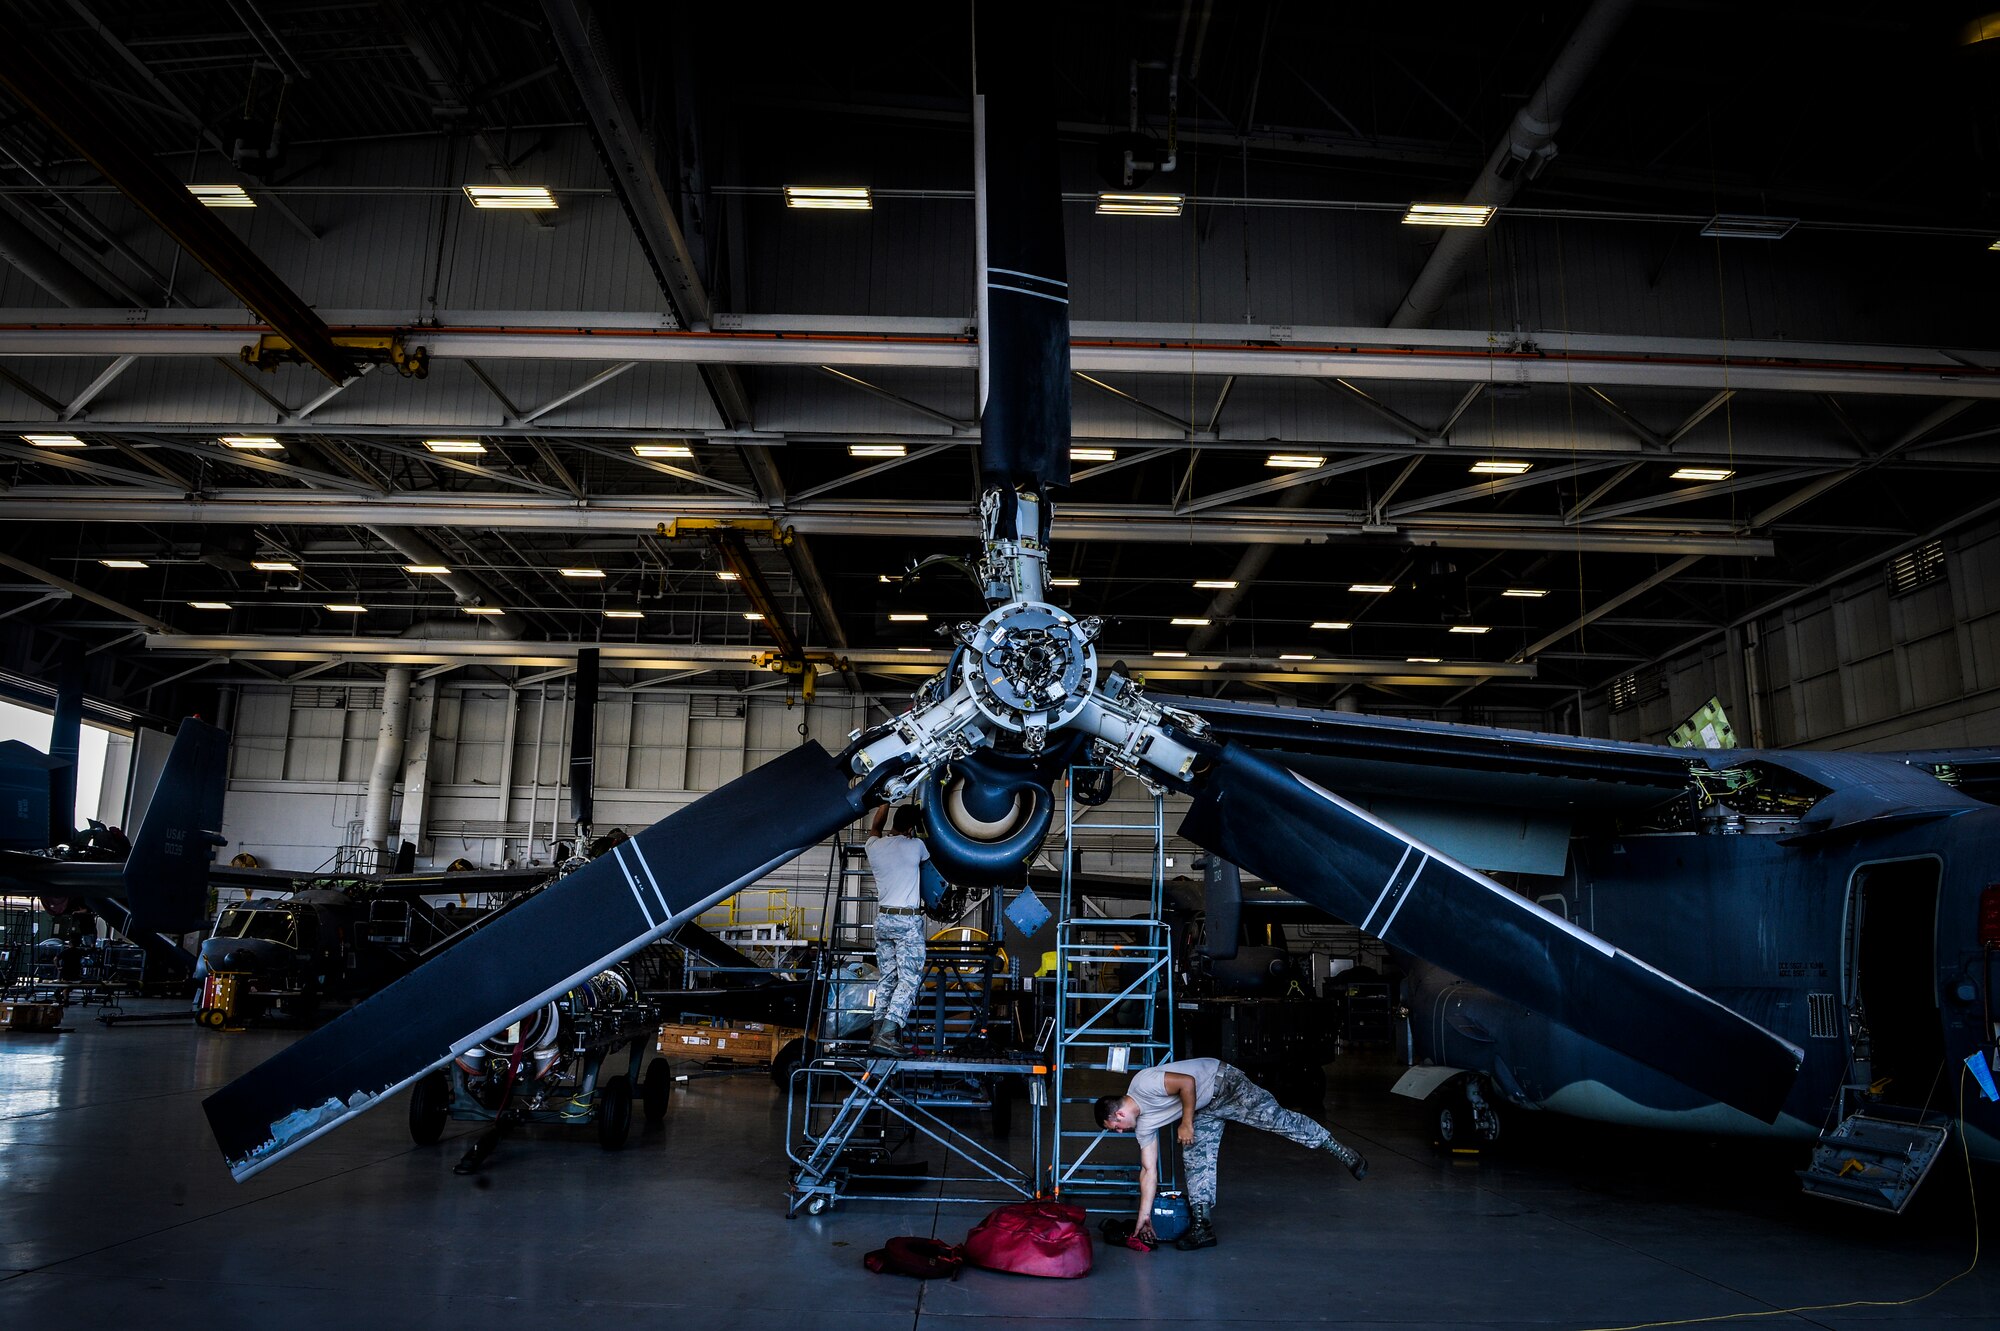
1914 568
714 705
1824 1015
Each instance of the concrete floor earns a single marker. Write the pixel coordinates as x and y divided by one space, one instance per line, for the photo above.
116 1211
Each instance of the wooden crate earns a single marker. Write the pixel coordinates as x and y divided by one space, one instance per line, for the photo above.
30 1016
742 1042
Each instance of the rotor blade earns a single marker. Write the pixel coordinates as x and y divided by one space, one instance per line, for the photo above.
592 918
1317 846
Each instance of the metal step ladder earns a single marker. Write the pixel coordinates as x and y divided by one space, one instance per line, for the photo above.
1114 996
1876 1158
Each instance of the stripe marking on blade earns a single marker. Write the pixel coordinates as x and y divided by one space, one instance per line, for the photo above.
645 864
645 911
1409 890
1387 885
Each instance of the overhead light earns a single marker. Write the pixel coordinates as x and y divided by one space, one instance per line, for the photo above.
1994 246
510 196
876 450
1471 628
1500 467
1189 622
1526 593
581 572
1170 653
916 649
1702 474
274 566
1372 588
1448 214
481 610
1331 624
124 563
1141 205
53 440
454 446
1295 656
850 197
222 196
1093 455
624 614
752 615
1748 226
662 451
909 619
251 443
1295 461
724 575
1065 582
1424 660
1215 584
346 608
209 605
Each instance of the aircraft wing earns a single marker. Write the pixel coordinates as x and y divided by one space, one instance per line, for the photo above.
26 875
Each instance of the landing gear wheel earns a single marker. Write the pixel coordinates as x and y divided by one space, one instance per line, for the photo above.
430 1106
657 1089
614 1113
1451 1120
787 1058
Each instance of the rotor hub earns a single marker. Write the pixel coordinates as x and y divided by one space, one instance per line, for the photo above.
1030 666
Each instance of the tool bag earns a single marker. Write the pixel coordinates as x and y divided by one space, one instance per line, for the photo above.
1171 1216
1032 1239
914 1255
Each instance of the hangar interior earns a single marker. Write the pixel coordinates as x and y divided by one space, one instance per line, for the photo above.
388 384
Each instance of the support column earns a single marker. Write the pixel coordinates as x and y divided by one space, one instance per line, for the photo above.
388 759
417 762
504 796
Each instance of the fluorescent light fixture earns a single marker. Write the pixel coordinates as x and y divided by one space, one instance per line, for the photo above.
1448 214
481 610
1471 628
346 608
1141 205
1748 226
624 614
909 619
454 446
1295 461
849 197
884 577
1093 455
876 450
1424 660
581 572
274 566
510 196
209 605
250 443
1190 622
916 649
1372 588
1500 467
1331 624
426 568
724 575
1703 474
1526 593
53 440
124 563
1065 582
662 451
222 196
1215 584
1295 656
1170 653
752 615
1994 246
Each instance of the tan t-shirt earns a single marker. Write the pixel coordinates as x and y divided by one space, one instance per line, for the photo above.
1159 1106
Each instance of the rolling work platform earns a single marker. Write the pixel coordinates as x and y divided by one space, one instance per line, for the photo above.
1114 995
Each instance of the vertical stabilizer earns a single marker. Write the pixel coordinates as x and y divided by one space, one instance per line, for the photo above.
166 875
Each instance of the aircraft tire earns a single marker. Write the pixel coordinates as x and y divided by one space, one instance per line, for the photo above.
656 1089
430 1106
1451 1119
614 1113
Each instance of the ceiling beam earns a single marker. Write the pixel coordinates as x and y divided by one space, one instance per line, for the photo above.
84 593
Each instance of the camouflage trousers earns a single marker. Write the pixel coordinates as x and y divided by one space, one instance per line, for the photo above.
1239 1100
899 955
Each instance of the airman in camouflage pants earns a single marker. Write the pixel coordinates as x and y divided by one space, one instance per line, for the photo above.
899 954
1239 1100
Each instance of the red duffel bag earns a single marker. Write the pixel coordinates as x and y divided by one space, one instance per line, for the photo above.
1032 1239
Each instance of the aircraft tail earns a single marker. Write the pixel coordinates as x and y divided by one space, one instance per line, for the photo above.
166 875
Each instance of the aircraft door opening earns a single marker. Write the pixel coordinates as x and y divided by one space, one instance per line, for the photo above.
1892 970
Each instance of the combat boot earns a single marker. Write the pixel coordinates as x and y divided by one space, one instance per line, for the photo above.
1357 1163
1200 1233
886 1040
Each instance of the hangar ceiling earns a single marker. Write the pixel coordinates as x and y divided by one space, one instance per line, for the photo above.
693 426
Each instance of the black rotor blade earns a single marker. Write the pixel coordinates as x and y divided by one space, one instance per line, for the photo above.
606 910
1324 850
